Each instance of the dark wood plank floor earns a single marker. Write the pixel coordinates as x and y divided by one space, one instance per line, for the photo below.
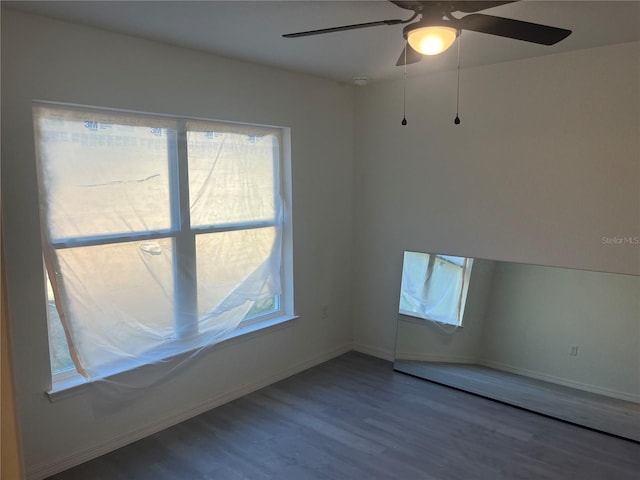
612 415
355 418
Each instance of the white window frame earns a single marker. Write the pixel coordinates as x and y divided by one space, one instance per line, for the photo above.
184 241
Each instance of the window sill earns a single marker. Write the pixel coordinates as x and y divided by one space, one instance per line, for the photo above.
69 385
415 318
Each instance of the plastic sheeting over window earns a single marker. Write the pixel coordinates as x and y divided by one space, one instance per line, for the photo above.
434 287
159 234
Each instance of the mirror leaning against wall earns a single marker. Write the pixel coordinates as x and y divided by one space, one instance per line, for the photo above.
557 341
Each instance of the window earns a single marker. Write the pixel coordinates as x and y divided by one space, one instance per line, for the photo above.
159 234
434 287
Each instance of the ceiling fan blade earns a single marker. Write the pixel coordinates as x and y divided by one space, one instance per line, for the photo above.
506 27
412 56
476 6
343 28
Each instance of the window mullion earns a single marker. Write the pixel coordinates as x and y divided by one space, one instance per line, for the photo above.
186 301
76 242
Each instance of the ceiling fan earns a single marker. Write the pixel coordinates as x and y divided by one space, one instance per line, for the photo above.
437 28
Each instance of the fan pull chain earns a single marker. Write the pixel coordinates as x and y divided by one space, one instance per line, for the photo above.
404 89
457 119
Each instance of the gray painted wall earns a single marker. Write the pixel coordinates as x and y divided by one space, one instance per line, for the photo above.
545 163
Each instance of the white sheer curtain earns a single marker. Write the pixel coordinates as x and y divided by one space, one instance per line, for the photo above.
434 286
159 235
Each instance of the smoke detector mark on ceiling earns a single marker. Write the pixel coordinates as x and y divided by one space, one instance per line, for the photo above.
360 81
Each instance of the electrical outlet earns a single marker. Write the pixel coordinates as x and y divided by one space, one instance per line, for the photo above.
573 351
324 311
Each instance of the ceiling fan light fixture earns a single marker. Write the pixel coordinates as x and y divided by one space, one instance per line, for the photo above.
431 39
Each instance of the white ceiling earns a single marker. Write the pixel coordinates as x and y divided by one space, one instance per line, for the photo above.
251 30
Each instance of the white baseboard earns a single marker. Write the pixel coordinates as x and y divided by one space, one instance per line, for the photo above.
39 472
374 351
561 381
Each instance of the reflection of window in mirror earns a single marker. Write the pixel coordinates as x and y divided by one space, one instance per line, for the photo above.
434 287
